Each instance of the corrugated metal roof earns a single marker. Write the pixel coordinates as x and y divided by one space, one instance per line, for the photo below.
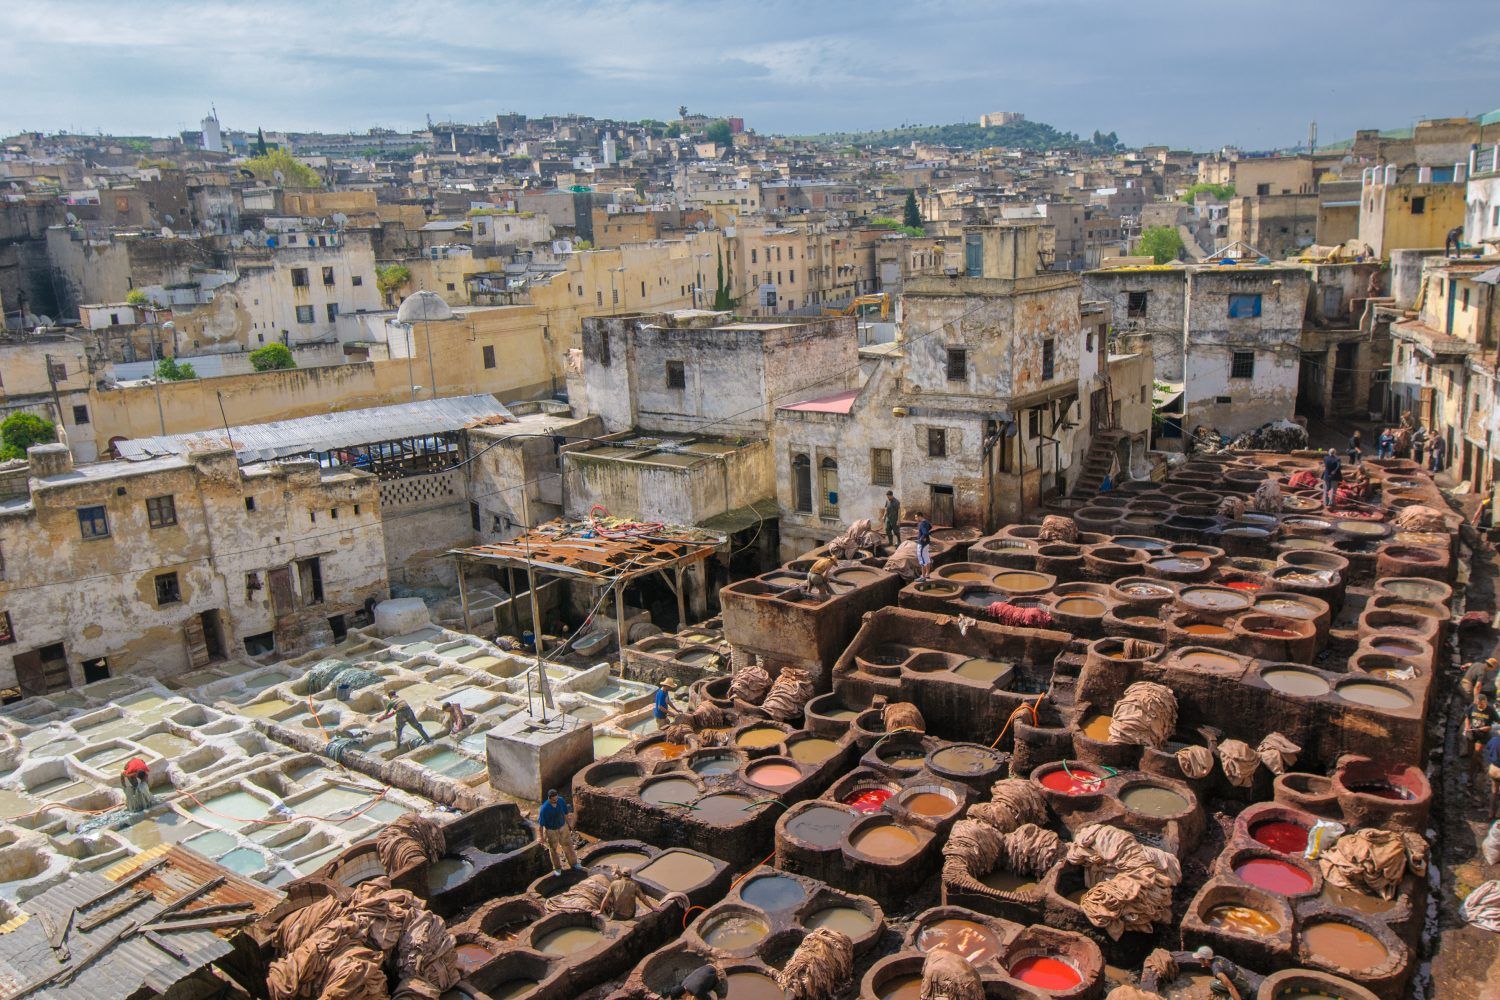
325 431
26 954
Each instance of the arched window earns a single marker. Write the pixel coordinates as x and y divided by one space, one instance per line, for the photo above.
802 484
828 488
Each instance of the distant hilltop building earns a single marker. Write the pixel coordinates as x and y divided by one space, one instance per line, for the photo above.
213 140
997 118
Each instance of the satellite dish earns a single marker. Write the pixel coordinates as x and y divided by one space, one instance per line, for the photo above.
278 176
169 219
340 219
167 232
72 219
236 242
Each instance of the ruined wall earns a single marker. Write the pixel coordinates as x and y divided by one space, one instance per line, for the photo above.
1162 324
1212 397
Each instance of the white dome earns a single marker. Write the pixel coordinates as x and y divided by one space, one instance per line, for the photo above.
423 306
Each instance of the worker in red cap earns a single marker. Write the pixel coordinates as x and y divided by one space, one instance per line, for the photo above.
136 780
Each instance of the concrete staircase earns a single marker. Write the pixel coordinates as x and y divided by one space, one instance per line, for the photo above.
1096 462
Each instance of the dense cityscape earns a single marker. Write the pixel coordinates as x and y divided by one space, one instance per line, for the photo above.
551 556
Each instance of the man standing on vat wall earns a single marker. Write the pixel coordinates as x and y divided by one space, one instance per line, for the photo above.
555 817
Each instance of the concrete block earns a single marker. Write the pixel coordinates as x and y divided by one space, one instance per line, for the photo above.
401 615
527 756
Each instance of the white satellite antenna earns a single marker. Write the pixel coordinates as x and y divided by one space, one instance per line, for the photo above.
167 232
340 219
72 219
278 176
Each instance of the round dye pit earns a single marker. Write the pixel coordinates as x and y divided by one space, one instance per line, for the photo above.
886 842
841 918
965 759
1076 779
931 804
984 670
1356 901
1375 695
1083 607
626 860
752 986
1047 973
1096 727
1343 945
773 893
1285 607
511 989
902 757
868 800
760 737
569 940
812 751
886 656
773 775
1274 875
1154 801
822 826
974 941
1204 659
726 808
669 792
1217 599
472 956
1383 790
445 873
622 780
665 750
1021 582
1298 682
1206 630
1009 881
901 988
677 871
1281 835
718 764
734 931
1242 920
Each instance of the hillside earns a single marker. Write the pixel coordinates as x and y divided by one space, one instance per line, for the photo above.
1030 135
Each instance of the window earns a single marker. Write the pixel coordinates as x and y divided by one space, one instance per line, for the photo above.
1088 342
958 364
474 521
1034 422
676 375
81 413
357 280
1135 304
333 512
249 503
299 277
1262 189
328 276
57 371
304 314
1419 205
1242 365
937 442
1244 306
604 348
93 523
7 633
333 311
828 482
1465 305
161 511
260 644
802 484
753 256
489 355
168 590
882 470
1049 358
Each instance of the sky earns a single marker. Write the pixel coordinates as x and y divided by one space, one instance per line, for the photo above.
1187 74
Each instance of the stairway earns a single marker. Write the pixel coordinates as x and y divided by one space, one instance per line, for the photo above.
1096 462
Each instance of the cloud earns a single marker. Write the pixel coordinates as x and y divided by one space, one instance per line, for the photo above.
1171 71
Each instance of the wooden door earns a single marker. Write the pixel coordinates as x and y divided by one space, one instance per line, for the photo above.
279 580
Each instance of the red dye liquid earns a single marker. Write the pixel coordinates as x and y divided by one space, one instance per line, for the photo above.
1242 585
868 801
1272 875
1280 835
1046 973
1080 781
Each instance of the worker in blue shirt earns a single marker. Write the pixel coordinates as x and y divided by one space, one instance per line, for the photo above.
555 817
1492 767
924 544
663 707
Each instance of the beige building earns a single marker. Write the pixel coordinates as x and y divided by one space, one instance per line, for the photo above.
166 565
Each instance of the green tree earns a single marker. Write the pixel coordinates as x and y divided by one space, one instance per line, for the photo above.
21 430
135 297
1221 192
391 279
719 132
1161 243
911 215
272 357
172 370
293 171
260 142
